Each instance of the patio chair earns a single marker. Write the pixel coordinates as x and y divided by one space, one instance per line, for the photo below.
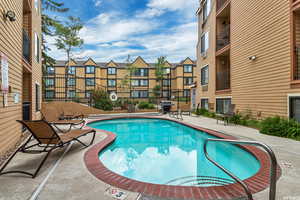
175 113
186 108
47 141
226 116
56 118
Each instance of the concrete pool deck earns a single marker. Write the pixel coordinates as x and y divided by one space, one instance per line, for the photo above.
65 176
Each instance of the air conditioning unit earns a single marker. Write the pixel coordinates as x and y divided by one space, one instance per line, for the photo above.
204 54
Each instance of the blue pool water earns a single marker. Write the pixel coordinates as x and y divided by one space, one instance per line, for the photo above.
157 151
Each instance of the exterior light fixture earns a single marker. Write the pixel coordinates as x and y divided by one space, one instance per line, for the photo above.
252 58
11 15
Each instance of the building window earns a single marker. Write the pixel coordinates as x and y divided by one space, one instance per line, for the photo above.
204 42
49 82
188 68
71 94
50 70
187 93
37 6
111 71
206 9
37 97
37 47
111 83
72 70
88 93
141 72
144 82
188 81
223 105
294 105
71 82
90 82
140 82
204 104
90 69
204 75
139 94
166 82
166 70
166 94
50 94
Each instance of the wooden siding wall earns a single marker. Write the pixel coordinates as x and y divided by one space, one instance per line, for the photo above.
11 46
261 30
11 41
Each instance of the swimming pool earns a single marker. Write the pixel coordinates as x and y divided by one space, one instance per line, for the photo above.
157 151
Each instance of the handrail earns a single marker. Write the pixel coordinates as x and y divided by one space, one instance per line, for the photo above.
273 169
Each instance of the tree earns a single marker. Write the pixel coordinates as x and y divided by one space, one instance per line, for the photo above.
160 71
67 39
49 25
126 81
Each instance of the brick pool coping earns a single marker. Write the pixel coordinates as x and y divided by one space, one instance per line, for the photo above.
256 183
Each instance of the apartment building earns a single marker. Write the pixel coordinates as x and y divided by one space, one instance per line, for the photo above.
20 67
248 55
83 77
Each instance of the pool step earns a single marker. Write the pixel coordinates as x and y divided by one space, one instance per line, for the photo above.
200 181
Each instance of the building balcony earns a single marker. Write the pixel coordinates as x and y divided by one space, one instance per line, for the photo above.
223 38
26 47
295 5
223 80
221 4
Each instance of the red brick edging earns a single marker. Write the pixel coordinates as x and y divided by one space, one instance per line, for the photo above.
256 183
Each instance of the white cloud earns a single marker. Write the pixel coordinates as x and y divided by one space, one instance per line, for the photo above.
108 27
150 13
97 3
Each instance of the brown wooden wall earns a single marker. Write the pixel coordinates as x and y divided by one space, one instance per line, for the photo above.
11 46
261 29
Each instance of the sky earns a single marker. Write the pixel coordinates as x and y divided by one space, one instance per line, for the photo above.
114 29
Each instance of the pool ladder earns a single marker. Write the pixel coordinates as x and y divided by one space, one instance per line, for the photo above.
273 169
217 181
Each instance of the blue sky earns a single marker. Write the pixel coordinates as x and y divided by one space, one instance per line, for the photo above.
114 29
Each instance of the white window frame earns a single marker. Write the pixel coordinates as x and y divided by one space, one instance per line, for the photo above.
206 77
208 10
206 42
37 43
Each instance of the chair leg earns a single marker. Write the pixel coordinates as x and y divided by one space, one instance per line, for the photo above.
85 145
33 175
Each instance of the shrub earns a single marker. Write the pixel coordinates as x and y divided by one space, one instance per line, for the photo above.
101 100
145 105
201 111
280 127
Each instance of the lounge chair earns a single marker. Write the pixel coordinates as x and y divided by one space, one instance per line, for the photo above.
56 118
226 116
47 141
175 113
186 108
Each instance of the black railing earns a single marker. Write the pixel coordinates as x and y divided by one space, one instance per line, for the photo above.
223 38
26 46
223 80
297 63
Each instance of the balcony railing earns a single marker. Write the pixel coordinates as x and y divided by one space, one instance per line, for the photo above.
26 46
223 80
297 63
220 4
223 38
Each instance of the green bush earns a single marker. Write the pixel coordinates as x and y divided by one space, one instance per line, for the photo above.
281 127
201 111
101 100
145 105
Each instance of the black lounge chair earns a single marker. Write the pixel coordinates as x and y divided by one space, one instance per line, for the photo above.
47 141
